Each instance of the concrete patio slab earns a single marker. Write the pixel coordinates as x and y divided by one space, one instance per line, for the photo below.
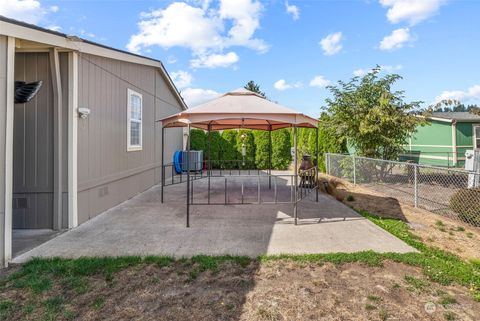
144 226
27 239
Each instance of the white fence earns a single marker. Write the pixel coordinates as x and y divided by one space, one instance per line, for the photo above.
445 191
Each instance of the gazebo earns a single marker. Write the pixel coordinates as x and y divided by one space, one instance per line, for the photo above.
239 109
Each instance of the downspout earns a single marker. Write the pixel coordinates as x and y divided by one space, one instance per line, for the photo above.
57 138
72 170
454 142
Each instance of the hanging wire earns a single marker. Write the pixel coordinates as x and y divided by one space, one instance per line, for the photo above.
124 80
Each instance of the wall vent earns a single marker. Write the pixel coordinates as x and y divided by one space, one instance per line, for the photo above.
20 203
103 191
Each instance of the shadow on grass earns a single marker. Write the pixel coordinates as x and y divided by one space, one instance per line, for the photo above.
126 288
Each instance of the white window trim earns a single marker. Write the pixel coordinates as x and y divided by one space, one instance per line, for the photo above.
475 135
131 147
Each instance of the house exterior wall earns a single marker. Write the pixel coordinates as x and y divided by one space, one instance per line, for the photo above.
108 174
33 145
465 138
432 144
7 58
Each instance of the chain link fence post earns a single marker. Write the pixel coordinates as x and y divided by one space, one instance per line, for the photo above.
327 169
415 185
354 171
449 192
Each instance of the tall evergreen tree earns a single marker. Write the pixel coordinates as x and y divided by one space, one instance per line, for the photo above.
252 86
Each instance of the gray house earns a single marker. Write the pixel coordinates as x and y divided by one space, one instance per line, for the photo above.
88 140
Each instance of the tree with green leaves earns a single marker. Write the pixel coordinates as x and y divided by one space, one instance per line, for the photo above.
281 156
215 148
198 139
262 148
375 119
229 148
252 86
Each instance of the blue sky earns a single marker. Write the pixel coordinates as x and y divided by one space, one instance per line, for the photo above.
292 49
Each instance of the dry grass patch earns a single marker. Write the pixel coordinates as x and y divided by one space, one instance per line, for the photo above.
435 230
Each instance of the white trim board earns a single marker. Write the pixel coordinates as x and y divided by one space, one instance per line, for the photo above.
432 157
7 233
72 139
441 146
474 136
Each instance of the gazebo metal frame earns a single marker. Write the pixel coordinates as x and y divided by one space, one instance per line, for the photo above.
271 118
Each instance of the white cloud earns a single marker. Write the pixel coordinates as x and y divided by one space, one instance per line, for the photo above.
87 34
197 96
54 27
391 68
413 11
471 93
293 10
244 15
396 40
331 44
206 30
360 72
181 78
319 82
178 25
283 85
214 60
30 11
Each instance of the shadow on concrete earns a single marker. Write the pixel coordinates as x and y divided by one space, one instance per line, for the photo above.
23 240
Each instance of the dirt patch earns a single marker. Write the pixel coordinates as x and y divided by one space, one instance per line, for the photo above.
275 290
435 230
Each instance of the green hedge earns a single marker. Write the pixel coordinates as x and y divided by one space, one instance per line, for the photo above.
466 204
262 148
198 139
227 146
281 156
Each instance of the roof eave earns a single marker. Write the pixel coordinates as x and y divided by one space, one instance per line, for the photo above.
21 30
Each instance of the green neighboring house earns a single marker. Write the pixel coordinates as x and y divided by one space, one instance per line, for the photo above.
445 140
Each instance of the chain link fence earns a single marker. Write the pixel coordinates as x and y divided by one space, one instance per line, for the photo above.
453 193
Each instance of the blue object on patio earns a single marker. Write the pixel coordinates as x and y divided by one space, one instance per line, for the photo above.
177 161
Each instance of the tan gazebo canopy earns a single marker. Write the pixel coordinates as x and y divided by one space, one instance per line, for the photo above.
240 108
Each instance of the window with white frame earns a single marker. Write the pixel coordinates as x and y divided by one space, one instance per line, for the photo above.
476 136
134 120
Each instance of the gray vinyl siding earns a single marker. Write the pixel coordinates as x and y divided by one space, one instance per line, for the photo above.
33 144
107 173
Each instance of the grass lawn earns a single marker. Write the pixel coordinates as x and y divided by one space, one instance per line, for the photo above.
432 284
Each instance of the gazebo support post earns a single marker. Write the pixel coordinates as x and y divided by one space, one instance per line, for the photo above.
162 169
269 156
188 176
295 174
316 170
209 164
